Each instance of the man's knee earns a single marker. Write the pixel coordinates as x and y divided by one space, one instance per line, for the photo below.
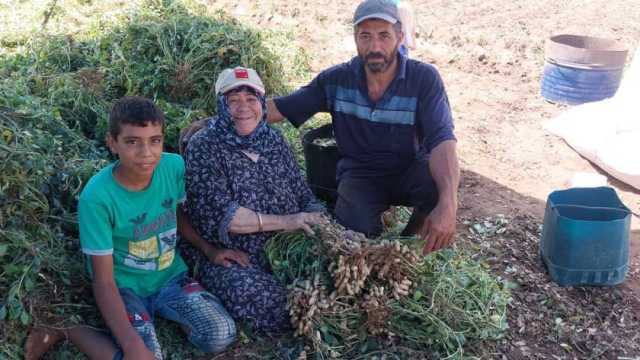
360 206
359 220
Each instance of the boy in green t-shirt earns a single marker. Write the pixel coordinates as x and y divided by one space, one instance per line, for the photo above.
129 216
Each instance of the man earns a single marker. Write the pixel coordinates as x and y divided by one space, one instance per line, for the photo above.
394 130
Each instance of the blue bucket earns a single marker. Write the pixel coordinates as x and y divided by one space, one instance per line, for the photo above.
585 237
580 69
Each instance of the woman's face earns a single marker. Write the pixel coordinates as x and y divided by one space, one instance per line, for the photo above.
245 109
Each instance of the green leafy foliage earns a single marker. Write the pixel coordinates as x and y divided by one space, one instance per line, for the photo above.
43 165
457 301
454 304
56 89
164 52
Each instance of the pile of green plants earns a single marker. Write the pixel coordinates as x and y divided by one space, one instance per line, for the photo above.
55 94
351 296
43 166
163 52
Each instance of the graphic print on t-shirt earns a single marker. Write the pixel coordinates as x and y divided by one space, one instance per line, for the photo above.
166 259
132 261
151 248
168 240
145 249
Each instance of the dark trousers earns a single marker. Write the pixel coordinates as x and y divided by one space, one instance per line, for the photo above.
361 201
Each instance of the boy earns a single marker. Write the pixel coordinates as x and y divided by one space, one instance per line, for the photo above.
129 216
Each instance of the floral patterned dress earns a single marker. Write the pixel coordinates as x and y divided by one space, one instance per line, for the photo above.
220 178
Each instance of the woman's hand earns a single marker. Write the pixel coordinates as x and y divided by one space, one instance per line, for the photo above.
302 221
224 257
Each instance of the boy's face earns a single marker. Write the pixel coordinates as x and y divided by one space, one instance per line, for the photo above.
139 149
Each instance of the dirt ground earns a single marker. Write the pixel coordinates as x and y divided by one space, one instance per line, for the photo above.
490 54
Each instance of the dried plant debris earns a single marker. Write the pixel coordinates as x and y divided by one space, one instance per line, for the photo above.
350 295
548 321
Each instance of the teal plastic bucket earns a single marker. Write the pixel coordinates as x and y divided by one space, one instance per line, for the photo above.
585 237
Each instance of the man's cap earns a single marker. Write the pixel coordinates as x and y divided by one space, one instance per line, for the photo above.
385 10
230 79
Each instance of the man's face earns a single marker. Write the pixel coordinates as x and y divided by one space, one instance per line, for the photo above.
377 43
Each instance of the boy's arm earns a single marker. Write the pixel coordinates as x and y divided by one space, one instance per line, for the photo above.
113 310
218 256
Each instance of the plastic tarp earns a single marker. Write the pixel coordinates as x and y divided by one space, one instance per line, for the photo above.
607 132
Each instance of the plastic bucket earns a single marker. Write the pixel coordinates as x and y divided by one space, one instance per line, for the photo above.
580 69
321 161
585 237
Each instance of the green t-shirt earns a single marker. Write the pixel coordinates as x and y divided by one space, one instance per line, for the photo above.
138 228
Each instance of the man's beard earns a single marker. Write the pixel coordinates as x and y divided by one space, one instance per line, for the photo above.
379 67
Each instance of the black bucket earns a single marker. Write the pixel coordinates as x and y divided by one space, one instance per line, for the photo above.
321 161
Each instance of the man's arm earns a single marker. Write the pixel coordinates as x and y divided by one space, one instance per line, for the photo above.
440 225
300 105
273 114
113 310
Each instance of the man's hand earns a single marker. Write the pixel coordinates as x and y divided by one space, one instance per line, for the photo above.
302 220
137 350
440 225
439 228
225 257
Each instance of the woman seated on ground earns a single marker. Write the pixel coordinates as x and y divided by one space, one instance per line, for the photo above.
243 184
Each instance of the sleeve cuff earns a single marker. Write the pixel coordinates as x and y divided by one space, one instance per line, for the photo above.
435 142
223 227
280 103
97 252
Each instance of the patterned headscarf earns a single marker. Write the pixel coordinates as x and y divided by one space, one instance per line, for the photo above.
224 128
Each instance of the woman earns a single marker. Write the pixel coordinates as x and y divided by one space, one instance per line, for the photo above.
243 184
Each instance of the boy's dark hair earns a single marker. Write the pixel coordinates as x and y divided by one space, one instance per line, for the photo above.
133 110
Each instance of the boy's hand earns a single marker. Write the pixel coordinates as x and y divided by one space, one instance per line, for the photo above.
137 350
224 257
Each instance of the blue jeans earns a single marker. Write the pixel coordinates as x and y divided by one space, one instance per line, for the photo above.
183 300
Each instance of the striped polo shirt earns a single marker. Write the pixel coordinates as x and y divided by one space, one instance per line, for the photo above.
376 138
